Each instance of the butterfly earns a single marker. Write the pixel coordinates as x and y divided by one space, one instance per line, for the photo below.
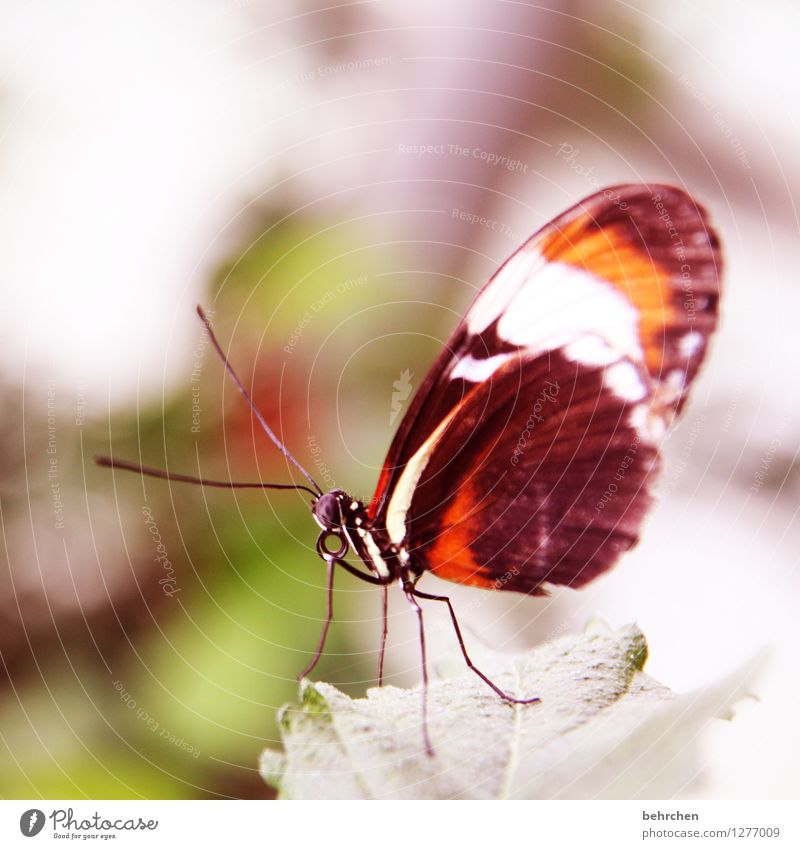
528 454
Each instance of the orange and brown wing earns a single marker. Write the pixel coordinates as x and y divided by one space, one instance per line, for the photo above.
618 296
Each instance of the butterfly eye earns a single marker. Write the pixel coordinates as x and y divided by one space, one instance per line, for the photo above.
327 512
324 541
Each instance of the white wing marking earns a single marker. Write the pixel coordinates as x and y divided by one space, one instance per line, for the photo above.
407 482
625 381
476 371
563 303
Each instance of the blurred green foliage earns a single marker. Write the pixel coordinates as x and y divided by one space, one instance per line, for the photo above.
174 697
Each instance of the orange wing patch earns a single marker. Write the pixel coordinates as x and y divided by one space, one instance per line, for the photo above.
608 253
450 556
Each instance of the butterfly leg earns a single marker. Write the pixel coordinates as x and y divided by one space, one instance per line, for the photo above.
382 582
384 633
470 664
408 589
328 619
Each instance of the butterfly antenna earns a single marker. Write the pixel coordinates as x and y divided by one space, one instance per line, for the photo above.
113 463
281 447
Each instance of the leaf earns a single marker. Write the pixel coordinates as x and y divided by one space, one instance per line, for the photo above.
604 729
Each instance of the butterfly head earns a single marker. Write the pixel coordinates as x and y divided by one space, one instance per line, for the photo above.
329 513
327 510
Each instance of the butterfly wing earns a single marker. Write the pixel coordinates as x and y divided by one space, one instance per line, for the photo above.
493 477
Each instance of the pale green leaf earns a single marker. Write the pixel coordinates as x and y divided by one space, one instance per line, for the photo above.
604 729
